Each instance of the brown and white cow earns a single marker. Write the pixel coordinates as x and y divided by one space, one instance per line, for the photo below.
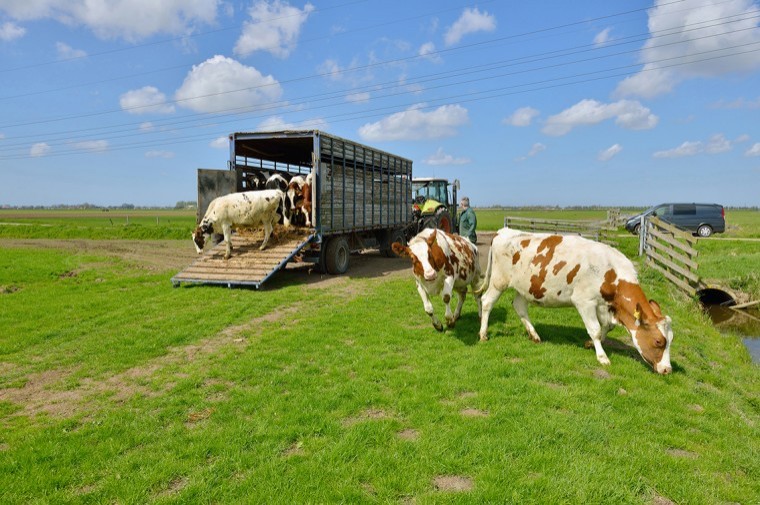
442 263
560 271
250 208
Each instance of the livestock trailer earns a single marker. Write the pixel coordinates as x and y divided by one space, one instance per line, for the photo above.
361 198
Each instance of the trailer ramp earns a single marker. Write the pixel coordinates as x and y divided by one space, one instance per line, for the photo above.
248 266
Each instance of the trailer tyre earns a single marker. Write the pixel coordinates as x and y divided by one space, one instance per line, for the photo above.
337 255
391 237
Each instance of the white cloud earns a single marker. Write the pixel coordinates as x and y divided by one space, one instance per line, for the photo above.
687 32
521 117
416 124
128 19
534 150
10 31
739 103
471 21
66 52
2 136
602 37
427 51
754 150
628 114
742 138
274 27
442 158
610 152
221 83
277 123
146 126
145 100
39 149
220 143
686 149
159 154
718 144
93 146
358 97
331 69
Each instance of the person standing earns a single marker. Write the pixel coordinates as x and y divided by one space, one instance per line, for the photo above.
467 221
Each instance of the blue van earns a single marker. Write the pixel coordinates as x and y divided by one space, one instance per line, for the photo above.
702 219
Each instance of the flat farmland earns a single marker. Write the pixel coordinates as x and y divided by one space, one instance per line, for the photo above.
117 387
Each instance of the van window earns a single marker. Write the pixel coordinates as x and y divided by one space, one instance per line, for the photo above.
681 209
662 210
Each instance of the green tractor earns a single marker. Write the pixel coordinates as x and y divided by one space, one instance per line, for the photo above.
435 204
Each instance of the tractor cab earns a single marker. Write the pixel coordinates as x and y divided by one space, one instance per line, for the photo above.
434 204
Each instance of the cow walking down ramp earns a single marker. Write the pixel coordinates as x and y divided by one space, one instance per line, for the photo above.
249 266
560 271
442 263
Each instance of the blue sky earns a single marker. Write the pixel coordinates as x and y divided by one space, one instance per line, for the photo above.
527 103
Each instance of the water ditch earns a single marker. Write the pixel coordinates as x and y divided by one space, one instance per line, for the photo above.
721 307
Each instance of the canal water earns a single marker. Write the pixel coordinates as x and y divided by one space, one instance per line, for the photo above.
743 323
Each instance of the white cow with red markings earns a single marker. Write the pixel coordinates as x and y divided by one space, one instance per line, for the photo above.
598 280
442 263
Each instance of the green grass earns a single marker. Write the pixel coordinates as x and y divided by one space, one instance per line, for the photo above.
295 394
96 224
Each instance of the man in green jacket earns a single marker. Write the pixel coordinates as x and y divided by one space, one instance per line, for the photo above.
467 221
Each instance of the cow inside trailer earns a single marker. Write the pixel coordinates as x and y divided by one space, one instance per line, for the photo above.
361 196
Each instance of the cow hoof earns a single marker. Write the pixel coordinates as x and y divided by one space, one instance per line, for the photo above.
227 256
484 338
588 344
451 324
438 326
603 360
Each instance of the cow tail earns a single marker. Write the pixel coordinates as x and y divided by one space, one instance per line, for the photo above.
487 277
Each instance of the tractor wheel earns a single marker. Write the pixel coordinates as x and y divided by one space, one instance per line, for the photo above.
443 220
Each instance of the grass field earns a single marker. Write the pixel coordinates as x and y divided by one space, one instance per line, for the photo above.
116 387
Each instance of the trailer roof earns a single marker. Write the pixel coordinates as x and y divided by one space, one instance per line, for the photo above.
288 146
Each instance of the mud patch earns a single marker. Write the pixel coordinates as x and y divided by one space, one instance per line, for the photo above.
470 412
661 500
602 374
367 415
453 483
8 290
198 416
295 449
408 435
682 453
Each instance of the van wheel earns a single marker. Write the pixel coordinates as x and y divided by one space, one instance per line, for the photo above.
705 230
337 255
636 229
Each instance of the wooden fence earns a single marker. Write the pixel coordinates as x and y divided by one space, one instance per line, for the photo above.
671 252
601 231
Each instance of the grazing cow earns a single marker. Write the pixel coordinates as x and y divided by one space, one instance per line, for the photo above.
442 263
251 208
560 271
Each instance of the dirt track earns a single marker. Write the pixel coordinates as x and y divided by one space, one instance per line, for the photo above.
174 255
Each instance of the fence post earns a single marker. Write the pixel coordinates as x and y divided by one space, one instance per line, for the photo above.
642 235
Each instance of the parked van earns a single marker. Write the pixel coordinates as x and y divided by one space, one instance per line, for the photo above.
701 219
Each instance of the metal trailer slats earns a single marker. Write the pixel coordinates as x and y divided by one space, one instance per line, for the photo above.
248 266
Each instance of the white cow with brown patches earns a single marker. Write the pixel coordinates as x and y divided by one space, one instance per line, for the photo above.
560 271
250 208
442 263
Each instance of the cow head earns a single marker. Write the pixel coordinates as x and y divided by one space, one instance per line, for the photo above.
427 256
652 335
200 234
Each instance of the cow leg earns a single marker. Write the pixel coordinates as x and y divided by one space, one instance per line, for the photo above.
448 290
595 330
520 305
267 232
429 307
489 298
461 295
227 229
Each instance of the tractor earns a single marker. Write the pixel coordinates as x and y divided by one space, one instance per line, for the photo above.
434 204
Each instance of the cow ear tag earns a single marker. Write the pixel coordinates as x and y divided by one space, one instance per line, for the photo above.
637 316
